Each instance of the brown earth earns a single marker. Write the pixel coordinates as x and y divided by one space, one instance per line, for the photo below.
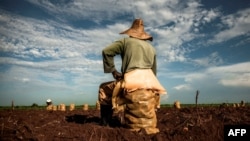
190 123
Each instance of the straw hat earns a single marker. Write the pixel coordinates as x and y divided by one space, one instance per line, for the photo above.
137 31
49 100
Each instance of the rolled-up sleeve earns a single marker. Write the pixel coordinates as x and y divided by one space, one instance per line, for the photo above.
108 54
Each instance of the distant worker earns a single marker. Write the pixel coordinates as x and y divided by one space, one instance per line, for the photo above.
136 87
49 105
49 102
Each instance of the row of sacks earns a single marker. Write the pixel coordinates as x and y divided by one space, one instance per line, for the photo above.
62 107
177 104
235 105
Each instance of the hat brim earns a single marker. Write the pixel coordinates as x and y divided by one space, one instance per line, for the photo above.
139 35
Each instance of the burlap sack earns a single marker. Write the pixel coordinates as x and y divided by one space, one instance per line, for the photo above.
157 100
148 113
143 105
135 122
140 111
49 107
140 95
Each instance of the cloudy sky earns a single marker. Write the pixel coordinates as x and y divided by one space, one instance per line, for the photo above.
52 48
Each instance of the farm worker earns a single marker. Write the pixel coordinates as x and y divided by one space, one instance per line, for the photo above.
136 86
49 102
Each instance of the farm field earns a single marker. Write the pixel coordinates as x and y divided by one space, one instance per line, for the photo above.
188 123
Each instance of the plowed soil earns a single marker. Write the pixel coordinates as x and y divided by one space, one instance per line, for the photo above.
191 123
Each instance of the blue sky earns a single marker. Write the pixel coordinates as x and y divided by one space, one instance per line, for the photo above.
52 48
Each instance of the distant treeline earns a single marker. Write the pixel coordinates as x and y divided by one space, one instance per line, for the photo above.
37 107
79 107
203 105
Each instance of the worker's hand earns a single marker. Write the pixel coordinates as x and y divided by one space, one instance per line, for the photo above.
117 75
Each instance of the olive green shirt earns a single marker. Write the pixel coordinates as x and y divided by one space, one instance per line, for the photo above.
135 54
